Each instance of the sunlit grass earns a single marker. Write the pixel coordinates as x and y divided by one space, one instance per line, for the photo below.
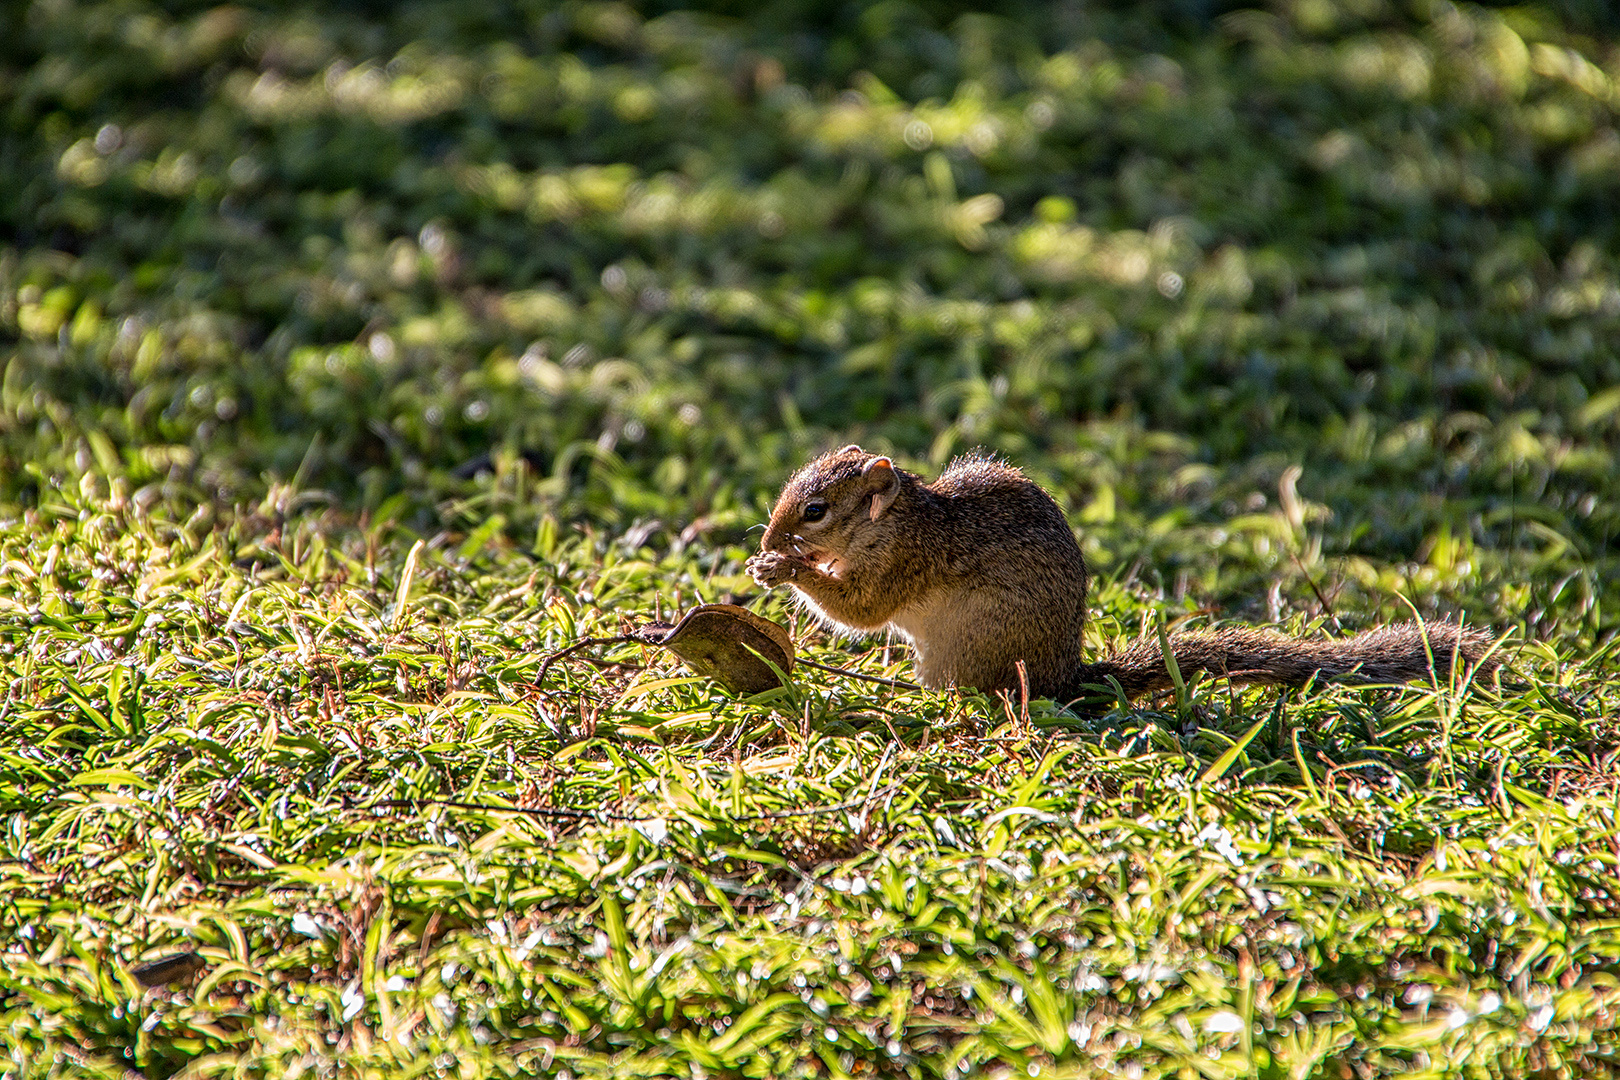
354 362
230 743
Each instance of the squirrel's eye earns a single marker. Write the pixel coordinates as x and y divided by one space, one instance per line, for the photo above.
815 511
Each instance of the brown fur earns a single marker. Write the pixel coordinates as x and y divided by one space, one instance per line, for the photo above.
979 570
1389 654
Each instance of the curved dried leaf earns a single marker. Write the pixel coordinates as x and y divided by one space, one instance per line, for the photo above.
726 643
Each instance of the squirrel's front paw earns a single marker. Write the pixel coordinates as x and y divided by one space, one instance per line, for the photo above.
771 568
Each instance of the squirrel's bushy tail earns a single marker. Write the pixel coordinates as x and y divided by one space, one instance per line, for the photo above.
1390 654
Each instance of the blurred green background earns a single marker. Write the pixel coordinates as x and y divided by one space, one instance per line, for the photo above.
641 261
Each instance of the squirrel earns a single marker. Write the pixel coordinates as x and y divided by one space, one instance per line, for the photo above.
979 570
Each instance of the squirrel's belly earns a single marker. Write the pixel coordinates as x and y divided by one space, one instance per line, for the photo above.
914 623
973 638
940 629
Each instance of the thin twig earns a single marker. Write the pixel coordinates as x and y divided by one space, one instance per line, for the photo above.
563 653
898 684
1023 695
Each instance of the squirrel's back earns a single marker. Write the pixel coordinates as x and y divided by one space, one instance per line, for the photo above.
1009 582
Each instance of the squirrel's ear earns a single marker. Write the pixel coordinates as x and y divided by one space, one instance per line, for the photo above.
852 448
882 482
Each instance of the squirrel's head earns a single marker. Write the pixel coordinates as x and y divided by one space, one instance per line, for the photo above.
826 505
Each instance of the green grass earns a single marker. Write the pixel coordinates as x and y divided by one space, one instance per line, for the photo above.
233 745
353 362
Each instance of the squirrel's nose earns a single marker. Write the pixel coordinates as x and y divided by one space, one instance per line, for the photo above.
769 540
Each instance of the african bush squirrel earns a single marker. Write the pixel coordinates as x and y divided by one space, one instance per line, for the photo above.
979 570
